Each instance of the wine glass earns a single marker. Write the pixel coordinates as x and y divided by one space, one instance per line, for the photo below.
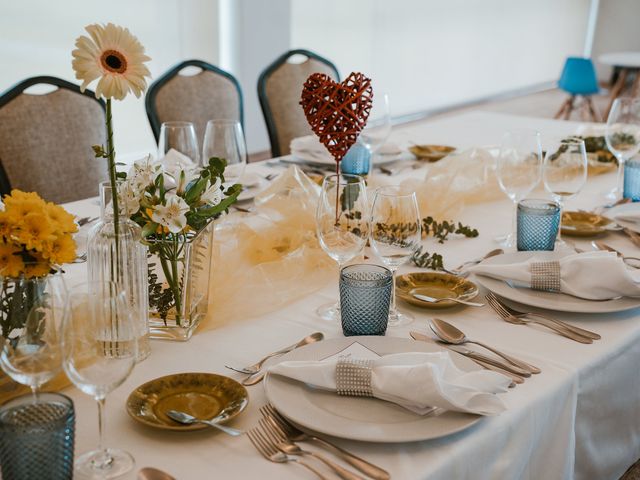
99 352
623 136
396 232
564 172
518 168
31 315
225 139
342 224
181 137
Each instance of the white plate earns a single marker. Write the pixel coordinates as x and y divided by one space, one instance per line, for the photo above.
360 418
625 209
559 302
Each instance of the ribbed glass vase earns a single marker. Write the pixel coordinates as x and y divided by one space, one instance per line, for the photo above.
121 257
179 273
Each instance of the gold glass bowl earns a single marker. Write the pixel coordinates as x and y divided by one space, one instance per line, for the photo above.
431 153
583 224
435 285
202 395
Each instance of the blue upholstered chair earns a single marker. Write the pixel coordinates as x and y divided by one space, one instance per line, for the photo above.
578 79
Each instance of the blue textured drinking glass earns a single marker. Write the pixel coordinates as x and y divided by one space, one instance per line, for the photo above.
36 437
537 224
632 180
365 296
357 161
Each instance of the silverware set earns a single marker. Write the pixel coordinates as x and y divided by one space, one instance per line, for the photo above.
255 372
277 439
511 315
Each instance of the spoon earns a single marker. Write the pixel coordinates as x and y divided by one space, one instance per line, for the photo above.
450 334
492 253
607 248
426 298
255 368
185 418
149 473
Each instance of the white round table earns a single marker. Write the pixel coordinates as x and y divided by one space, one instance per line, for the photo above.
626 63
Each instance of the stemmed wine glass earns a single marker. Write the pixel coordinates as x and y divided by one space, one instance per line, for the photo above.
378 126
342 224
518 168
396 232
623 136
225 139
31 314
564 172
181 137
99 352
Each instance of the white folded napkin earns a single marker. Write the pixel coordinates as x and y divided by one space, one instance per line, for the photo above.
310 149
174 161
633 217
416 381
589 275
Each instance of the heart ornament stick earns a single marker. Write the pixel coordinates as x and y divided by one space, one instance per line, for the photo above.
337 112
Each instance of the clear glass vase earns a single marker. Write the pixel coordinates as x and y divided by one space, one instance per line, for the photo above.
179 272
121 257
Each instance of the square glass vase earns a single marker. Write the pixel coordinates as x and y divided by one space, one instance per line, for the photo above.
179 276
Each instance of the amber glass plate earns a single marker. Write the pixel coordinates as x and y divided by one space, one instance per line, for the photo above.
202 395
583 224
435 285
431 153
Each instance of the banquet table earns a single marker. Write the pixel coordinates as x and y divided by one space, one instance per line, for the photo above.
580 418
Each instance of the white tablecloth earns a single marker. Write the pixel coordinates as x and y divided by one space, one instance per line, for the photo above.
579 419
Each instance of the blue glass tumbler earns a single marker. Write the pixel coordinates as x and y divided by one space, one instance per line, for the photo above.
365 296
538 222
36 437
632 180
357 160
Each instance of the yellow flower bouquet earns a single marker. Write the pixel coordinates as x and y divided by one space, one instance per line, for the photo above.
36 236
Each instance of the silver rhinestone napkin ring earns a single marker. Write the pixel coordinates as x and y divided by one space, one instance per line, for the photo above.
545 276
353 377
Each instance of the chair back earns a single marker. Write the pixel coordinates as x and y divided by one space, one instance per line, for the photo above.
210 94
279 90
579 77
46 140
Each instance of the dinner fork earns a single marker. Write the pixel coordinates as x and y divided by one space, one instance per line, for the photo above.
568 326
269 451
294 434
519 320
290 448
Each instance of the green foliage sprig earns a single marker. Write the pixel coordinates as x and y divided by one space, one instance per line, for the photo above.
441 230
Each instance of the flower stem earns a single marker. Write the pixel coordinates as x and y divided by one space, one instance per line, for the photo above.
111 156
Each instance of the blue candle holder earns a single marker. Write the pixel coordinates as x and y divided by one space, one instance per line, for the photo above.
357 160
632 180
538 223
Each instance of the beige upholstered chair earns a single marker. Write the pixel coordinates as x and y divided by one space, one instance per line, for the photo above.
46 140
279 89
210 94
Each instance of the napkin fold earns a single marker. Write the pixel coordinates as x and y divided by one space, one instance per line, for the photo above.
416 381
633 217
589 275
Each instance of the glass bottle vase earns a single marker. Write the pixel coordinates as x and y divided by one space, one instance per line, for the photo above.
121 257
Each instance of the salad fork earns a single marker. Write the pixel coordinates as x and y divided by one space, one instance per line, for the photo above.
288 447
294 434
269 451
520 320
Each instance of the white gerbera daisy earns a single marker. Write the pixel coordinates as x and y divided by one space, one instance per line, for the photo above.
113 55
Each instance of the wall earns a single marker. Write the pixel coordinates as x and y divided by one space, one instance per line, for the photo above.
617 30
432 53
37 37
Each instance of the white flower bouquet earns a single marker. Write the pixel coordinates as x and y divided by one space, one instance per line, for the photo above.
174 205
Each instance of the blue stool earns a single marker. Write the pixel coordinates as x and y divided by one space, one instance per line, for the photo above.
578 79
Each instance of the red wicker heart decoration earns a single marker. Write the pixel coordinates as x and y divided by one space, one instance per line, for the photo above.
337 112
